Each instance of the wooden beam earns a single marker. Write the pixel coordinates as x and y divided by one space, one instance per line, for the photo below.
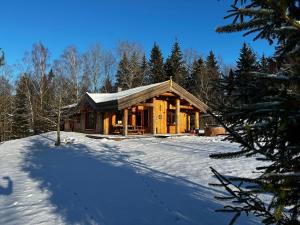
145 104
189 107
197 120
153 117
168 94
177 115
125 121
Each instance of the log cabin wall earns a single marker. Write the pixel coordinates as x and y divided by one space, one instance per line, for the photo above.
67 124
82 121
99 123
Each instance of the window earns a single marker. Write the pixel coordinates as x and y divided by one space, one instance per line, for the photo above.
90 120
171 118
146 118
78 118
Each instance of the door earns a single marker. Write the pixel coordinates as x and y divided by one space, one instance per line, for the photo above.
161 117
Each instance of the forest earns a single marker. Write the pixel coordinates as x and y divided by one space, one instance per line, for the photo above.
32 99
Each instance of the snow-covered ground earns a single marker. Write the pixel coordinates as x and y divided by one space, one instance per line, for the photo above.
99 181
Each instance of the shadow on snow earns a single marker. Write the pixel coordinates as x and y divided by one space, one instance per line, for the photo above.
6 189
90 186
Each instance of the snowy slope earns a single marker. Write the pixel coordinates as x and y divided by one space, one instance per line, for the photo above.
134 181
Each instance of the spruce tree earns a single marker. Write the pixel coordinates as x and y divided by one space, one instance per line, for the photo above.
1 57
175 66
266 126
263 64
213 76
198 82
246 62
156 66
144 70
135 75
21 121
212 66
107 86
122 72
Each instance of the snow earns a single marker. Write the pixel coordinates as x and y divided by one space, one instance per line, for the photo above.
101 181
69 106
106 97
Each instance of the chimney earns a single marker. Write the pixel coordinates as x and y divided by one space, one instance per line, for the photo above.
119 89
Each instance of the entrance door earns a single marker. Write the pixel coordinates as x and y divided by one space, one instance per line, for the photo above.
161 117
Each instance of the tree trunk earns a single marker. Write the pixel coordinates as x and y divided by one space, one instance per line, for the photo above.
58 123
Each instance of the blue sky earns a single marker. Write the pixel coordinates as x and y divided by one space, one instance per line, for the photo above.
60 23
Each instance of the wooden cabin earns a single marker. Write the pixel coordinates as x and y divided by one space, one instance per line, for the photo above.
159 108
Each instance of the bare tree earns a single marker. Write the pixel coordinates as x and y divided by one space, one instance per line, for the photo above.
6 106
92 65
109 63
129 48
189 56
61 90
40 59
72 69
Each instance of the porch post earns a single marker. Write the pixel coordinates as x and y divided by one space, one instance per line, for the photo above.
154 117
188 122
197 120
106 123
125 122
133 116
177 115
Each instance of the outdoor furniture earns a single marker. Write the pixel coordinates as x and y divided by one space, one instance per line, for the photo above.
117 129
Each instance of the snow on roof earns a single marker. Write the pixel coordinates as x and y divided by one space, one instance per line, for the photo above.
69 106
106 97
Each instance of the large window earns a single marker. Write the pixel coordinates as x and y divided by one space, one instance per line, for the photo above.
171 118
90 122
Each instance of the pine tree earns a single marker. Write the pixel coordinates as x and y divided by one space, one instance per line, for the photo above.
156 66
263 64
199 82
213 76
246 62
1 57
212 66
107 86
135 77
144 70
21 121
175 66
267 65
122 72
266 126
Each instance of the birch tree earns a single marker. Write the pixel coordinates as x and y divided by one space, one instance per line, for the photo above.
92 65
71 67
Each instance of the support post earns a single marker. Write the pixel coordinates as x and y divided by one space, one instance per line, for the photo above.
188 122
177 115
154 116
133 116
197 120
125 122
106 123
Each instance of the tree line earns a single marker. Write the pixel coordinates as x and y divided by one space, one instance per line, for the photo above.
32 104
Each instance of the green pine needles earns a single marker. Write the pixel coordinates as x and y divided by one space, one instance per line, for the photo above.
262 113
